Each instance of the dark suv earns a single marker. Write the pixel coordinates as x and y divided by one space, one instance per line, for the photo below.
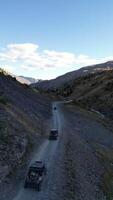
53 134
35 175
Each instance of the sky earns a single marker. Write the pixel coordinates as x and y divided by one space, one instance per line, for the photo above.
47 38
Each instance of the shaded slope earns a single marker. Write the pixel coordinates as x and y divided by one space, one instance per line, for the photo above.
23 113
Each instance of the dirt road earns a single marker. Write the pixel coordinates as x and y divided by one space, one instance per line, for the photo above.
74 170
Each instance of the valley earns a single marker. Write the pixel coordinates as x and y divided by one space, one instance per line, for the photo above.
79 163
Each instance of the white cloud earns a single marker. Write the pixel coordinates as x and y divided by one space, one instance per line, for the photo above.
15 52
85 60
28 57
59 59
106 59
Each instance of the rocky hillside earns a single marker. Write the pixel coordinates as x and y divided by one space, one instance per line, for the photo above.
61 80
23 113
93 91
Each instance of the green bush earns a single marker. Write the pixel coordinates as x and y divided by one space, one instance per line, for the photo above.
3 100
1 125
4 134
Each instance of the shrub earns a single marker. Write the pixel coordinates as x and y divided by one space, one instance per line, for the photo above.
109 86
5 137
3 100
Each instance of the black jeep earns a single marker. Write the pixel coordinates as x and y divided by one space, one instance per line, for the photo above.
35 175
53 134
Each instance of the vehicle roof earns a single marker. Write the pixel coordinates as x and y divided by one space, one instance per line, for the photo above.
37 164
54 129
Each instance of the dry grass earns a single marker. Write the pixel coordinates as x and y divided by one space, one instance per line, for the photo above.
106 122
23 119
104 153
106 157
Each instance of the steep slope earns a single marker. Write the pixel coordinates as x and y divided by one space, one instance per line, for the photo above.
23 113
59 81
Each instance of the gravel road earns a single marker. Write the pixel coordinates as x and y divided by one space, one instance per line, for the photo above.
74 171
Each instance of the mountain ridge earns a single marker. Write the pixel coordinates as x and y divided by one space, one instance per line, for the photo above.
57 82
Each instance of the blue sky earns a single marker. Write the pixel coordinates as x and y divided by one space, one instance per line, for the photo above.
46 38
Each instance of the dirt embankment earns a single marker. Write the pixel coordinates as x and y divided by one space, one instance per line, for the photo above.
23 117
90 154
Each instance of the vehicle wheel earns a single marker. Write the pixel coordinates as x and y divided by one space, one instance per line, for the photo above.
45 172
39 187
25 185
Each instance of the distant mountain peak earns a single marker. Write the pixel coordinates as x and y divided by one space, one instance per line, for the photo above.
26 80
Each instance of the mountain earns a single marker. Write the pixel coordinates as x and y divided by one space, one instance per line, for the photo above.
23 116
93 91
26 80
61 80
90 87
